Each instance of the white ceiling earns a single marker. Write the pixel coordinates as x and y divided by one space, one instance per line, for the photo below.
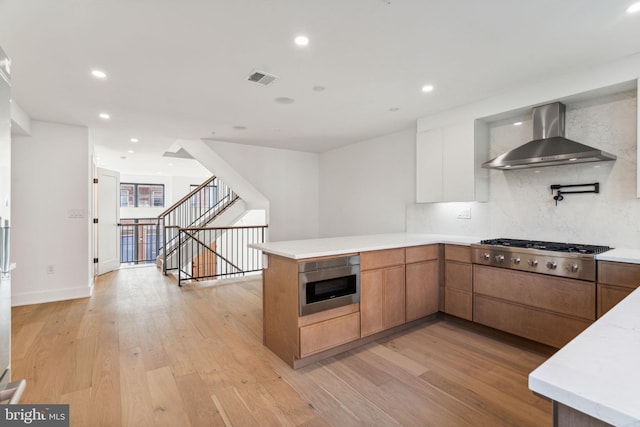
178 68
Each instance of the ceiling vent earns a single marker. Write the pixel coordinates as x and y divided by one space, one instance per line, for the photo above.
262 78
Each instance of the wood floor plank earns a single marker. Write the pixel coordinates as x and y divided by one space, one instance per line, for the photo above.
135 398
82 360
199 406
28 334
165 397
236 413
105 383
144 352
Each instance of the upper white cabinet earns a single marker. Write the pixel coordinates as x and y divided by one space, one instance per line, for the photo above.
449 160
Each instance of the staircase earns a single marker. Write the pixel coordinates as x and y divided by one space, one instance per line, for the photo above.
211 240
195 210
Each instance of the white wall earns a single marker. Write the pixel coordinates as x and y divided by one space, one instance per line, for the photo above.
288 179
521 204
51 177
365 187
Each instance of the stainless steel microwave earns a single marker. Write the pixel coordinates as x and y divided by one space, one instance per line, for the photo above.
328 283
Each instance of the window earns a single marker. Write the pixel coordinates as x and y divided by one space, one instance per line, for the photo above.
206 198
141 195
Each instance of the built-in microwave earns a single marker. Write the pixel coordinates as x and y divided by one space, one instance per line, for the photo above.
328 283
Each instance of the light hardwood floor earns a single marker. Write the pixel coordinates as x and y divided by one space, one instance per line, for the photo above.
143 352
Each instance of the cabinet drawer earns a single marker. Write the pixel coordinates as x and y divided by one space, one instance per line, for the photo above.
458 275
541 326
380 259
457 253
565 296
421 253
458 303
329 333
619 273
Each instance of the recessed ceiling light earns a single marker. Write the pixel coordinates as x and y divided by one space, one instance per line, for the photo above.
285 100
240 127
517 123
393 109
169 164
134 140
319 88
99 74
634 8
301 40
427 88
130 151
104 116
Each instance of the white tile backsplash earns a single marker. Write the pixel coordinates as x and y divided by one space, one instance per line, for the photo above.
521 204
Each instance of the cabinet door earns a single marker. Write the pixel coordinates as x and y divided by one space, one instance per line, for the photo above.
429 166
421 289
371 294
393 302
448 163
458 163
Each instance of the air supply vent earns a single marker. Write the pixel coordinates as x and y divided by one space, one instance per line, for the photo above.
262 78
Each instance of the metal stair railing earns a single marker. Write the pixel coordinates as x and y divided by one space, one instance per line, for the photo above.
207 253
196 209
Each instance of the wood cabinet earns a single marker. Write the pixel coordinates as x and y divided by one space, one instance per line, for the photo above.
335 327
422 275
548 309
458 281
293 337
448 163
616 280
382 290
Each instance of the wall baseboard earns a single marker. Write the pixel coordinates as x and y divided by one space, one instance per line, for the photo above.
41 297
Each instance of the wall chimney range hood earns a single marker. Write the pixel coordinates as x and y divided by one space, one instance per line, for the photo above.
549 146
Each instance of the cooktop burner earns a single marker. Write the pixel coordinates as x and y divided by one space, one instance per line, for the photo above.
549 246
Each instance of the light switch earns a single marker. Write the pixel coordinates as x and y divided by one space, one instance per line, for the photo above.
76 213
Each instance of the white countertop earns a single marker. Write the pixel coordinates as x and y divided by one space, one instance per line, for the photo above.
312 248
597 372
621 255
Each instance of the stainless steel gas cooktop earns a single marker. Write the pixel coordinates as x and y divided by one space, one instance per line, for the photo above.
570 260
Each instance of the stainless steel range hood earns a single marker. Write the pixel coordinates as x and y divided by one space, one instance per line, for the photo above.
549 146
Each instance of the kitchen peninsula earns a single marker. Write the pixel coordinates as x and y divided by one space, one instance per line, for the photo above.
400 279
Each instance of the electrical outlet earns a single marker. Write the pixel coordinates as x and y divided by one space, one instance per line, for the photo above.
51 269
464 213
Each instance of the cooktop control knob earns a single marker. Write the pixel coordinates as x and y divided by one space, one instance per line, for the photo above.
573 268
551 265
533 262
515 260
499 258
486 255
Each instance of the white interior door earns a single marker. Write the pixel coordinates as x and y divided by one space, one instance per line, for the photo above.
108 220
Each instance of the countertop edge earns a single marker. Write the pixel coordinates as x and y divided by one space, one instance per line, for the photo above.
594 372
315 248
